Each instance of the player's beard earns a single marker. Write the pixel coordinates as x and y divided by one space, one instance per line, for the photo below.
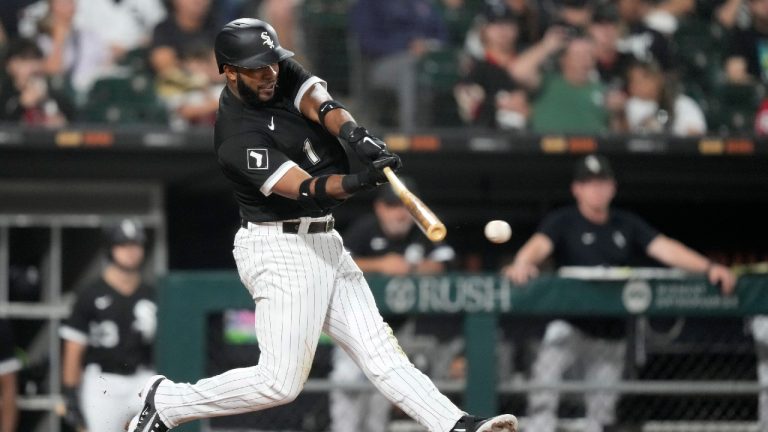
249 95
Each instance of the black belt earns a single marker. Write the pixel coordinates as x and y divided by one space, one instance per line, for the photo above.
293 227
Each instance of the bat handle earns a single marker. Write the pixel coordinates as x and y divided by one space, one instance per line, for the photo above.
397 185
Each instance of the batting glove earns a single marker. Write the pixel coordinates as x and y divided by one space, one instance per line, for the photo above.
72 414
371 177
367 146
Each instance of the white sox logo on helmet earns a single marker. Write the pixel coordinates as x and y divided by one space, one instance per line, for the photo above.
267 40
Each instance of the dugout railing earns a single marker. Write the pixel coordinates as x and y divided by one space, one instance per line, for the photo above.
187 299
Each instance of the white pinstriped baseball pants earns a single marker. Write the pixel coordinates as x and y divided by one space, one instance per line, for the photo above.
303 284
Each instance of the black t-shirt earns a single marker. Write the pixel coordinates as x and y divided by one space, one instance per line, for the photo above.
366 239
168 33
493 79
646 44
257 146
8 361
622 241
752 45
118 330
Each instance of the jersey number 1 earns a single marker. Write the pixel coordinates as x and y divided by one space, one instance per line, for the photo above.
311 155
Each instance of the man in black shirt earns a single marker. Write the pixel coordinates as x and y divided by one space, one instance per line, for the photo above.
108 338
276 141
388 242
594 234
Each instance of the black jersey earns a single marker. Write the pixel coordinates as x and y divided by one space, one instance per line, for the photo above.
8 361
365 239
622 241
118 330
257 146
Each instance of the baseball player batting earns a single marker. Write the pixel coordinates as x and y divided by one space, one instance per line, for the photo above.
276 141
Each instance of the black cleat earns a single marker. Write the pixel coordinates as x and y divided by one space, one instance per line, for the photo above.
499 423
148 420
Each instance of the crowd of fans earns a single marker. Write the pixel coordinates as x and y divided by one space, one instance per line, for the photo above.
681 67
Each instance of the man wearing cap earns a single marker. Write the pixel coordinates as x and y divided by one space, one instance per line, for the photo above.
277 141
591 233
108 338
388 242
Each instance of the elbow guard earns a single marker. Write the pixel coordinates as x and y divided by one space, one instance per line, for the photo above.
319 202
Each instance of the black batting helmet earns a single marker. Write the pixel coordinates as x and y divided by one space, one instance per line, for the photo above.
126 231
248 43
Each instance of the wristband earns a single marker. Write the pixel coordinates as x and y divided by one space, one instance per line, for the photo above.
327 107
354 183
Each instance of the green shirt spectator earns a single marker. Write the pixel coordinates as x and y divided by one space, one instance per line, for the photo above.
573 100
564 107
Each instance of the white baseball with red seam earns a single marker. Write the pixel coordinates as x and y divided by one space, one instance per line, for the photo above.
497 231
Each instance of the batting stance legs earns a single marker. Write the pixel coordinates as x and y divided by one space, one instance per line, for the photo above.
303 284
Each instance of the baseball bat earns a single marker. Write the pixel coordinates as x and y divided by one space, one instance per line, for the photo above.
429 224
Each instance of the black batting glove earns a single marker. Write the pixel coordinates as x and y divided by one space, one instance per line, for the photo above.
373 176
73 416
391 160
368 147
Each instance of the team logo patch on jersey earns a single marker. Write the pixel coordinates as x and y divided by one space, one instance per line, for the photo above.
258 159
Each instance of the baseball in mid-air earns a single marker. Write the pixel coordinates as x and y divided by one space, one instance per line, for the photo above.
498 231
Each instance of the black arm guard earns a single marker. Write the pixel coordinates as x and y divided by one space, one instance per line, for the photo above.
320 201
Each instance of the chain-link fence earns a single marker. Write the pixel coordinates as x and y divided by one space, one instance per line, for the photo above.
633 374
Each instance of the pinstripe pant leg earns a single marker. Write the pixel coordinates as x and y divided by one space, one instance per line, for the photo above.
355 323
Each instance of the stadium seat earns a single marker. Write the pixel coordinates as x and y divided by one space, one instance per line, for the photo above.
326 39
438 73
734 107
698 44
124 100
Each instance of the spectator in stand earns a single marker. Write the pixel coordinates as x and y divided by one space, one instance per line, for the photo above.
189 25
458 16
9 366
281 14
573 100
123 25
197 103
495 91
746 55
526 14
733 13
639 40
664 15
9 16
604 31
655 104
393 36
386 242
75 56
575 14
592 233
25 93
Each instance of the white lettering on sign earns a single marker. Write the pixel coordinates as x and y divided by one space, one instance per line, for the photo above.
446 295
